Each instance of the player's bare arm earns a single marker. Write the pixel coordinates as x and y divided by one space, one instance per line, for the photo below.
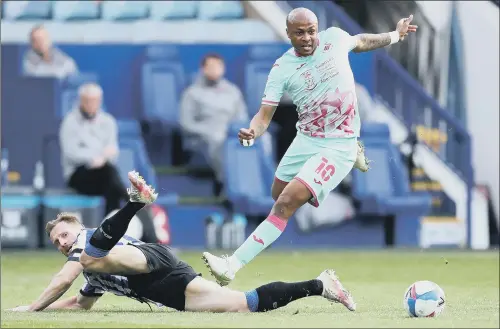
259 124
60 283
367 41
78 302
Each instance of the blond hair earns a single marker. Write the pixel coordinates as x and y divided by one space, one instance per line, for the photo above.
62 217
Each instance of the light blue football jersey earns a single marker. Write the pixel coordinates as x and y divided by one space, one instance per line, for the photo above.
321 86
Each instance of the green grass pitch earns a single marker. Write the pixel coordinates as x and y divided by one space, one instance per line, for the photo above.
377 279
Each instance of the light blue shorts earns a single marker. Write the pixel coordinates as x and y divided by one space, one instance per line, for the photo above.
319 163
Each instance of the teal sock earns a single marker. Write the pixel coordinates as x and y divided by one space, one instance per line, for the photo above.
264 235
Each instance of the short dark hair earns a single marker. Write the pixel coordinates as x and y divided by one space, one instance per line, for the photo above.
211 55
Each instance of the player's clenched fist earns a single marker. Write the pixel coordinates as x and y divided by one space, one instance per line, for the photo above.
246 136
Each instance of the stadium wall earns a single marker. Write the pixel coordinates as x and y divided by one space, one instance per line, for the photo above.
480 30
481 80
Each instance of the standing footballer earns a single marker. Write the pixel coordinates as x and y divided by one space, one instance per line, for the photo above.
317 75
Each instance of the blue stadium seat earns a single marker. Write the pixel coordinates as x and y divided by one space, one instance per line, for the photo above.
69 99
385 189
133 156
248 178
162 10
386 185
162 52
261 59
186 185
220 10
162 85
256 74
125 10
129 128
75 10
126 161
27 10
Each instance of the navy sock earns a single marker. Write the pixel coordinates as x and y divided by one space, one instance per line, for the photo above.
278 294
111 230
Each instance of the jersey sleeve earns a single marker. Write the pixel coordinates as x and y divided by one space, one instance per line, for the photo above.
74 255
275 86
88 290
340 38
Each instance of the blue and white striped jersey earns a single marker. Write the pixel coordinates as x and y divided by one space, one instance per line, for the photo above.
97 283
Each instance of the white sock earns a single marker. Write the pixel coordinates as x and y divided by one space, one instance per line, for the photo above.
235 264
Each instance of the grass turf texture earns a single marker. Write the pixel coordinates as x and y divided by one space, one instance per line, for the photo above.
377 279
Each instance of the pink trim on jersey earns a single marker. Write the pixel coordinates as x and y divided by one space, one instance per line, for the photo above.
314 201
279 223
264 101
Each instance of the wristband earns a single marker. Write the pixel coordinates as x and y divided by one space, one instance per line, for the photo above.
394 37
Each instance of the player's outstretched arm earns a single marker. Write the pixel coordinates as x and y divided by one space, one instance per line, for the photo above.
78 302
259 124
262 119
367 42
60 283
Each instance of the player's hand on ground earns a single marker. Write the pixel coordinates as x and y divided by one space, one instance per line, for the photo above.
246 135
404 27
23 308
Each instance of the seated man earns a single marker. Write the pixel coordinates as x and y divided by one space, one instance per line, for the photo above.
45 60
207 109
89 148
149 272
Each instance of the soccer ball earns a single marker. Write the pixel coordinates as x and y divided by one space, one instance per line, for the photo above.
424 299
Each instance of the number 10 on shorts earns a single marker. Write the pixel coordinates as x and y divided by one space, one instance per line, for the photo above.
325 170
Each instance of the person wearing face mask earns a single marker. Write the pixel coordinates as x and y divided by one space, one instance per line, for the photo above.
207 108
45 60
89 147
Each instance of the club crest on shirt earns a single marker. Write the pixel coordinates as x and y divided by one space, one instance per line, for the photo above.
327 47
309 80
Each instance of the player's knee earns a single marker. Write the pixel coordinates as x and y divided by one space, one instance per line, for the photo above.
238 304
285 205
